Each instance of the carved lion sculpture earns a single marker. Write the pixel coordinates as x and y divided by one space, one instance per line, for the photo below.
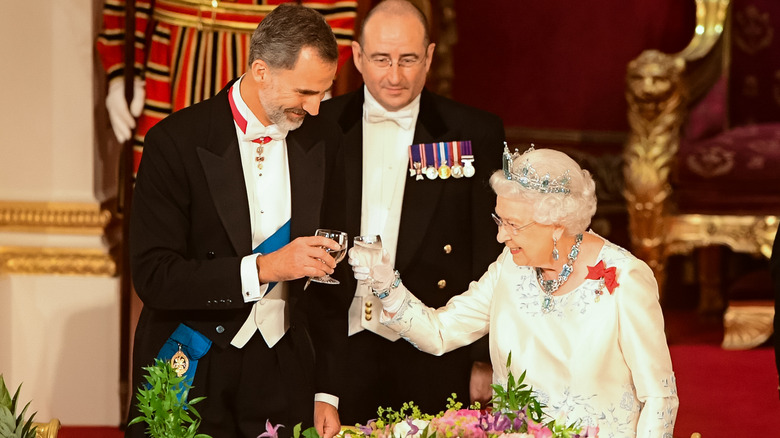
655 99
653 84
654 95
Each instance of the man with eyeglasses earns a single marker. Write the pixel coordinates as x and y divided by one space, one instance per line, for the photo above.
437 231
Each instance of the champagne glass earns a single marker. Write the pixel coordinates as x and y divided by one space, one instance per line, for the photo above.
371 252
341 239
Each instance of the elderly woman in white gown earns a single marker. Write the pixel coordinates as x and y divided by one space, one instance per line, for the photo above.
578 313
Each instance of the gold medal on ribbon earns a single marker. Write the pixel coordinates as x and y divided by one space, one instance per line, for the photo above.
180 362
444 171
443 158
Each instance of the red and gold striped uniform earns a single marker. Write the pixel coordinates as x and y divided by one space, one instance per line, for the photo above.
187 50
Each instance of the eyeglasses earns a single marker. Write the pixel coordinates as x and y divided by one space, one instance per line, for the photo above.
382 61
512 227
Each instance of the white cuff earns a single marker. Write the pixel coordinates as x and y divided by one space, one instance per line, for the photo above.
327 398
251 289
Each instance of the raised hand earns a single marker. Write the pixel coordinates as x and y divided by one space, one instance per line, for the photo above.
376 273
303 257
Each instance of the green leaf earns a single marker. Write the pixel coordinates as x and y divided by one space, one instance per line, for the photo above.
5 396
164 406
297 431
311 433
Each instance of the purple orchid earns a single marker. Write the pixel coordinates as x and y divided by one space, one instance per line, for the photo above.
413 429
368 428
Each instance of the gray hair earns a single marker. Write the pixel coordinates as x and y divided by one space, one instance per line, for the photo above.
573 210
286 30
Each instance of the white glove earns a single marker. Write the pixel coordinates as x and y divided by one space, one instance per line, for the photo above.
122 116
379 275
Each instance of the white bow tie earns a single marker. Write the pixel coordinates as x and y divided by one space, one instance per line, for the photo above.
257 130
403 118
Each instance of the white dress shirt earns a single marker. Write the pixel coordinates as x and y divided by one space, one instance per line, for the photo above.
385 163
268 211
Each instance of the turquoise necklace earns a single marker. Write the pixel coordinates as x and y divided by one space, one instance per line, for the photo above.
550 286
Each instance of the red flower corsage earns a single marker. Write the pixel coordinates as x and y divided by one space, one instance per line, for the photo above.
607 278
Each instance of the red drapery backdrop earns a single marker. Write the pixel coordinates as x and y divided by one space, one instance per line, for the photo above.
560 64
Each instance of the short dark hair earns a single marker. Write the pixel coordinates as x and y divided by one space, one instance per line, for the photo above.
290 27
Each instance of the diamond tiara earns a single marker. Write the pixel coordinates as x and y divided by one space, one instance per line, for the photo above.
529 178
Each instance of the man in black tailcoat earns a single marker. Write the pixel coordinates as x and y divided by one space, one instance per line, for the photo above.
227 199
433 218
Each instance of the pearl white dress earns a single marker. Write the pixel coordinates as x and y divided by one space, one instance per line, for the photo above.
603 361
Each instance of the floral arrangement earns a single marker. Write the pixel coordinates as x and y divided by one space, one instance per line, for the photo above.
514 413
163 404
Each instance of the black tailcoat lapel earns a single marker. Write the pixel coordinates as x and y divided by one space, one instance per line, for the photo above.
306 154
420 197
221 161
352 127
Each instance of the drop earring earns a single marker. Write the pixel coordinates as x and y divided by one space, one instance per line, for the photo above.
555 249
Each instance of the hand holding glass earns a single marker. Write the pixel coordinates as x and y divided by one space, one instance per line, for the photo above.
341 239
369 253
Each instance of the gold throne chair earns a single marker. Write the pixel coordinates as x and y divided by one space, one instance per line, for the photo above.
702 161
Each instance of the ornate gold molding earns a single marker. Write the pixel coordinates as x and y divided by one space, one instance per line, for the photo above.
747 234
88 219
66 261
52 217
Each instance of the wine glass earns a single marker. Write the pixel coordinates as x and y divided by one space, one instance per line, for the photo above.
371 253
341 239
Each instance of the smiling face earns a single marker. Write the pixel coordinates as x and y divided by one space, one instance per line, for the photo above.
396 37
284 97
531 245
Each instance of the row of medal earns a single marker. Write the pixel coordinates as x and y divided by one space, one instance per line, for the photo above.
441 160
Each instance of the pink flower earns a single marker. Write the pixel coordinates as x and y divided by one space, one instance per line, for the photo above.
538 430
270 431
463 423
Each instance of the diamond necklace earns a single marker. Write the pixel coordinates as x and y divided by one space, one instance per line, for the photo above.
550 286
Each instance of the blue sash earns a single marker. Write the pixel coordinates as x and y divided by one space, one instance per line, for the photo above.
277 240
193 344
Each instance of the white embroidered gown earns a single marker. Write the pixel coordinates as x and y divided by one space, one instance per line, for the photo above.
606 363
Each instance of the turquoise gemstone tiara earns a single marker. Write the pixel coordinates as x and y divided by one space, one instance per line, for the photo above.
529 178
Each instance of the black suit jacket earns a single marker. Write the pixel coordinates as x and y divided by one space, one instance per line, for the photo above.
436 214
190 224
